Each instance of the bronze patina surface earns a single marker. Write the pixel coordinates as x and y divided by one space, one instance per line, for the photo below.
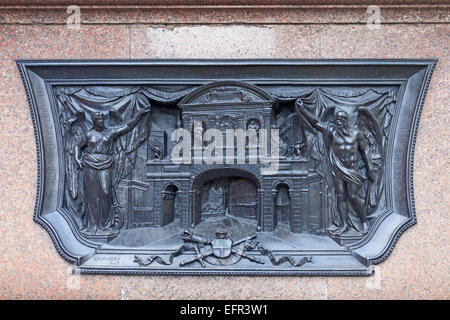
261 167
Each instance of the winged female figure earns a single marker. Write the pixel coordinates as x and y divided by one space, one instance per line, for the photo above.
93 153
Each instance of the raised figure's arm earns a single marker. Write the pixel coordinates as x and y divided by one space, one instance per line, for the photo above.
365 151
303 114
130 124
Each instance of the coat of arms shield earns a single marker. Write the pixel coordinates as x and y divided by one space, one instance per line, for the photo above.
221 247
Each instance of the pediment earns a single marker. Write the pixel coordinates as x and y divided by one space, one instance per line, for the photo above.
226 93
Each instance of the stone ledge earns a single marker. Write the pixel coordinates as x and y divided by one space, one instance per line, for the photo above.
167 15
202 3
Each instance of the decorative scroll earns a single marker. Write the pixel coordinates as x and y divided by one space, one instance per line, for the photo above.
144 263
220 251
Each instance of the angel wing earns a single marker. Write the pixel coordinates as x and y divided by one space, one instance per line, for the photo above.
368 125
368 122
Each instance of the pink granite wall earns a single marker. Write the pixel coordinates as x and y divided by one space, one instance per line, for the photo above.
30 266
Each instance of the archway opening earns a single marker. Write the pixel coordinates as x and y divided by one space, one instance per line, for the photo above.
282 206
170 205
226 193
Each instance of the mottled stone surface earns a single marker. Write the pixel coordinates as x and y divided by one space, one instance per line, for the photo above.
31 267
215 2
225 15
208 288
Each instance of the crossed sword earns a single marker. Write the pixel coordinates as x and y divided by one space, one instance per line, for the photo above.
200 256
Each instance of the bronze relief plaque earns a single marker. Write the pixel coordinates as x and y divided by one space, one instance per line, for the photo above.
260 167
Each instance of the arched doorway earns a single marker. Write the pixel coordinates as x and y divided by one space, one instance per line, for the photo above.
282 206
230 191
169 204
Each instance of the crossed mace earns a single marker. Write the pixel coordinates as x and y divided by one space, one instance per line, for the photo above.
200 256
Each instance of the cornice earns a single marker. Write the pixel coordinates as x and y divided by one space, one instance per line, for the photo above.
195 12
220 3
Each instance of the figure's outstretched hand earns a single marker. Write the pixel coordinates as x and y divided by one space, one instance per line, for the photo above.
306 117
298 104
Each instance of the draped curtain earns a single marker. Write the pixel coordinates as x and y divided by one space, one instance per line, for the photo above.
119 104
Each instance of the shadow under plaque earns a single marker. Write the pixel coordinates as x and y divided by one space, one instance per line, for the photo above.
261 167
